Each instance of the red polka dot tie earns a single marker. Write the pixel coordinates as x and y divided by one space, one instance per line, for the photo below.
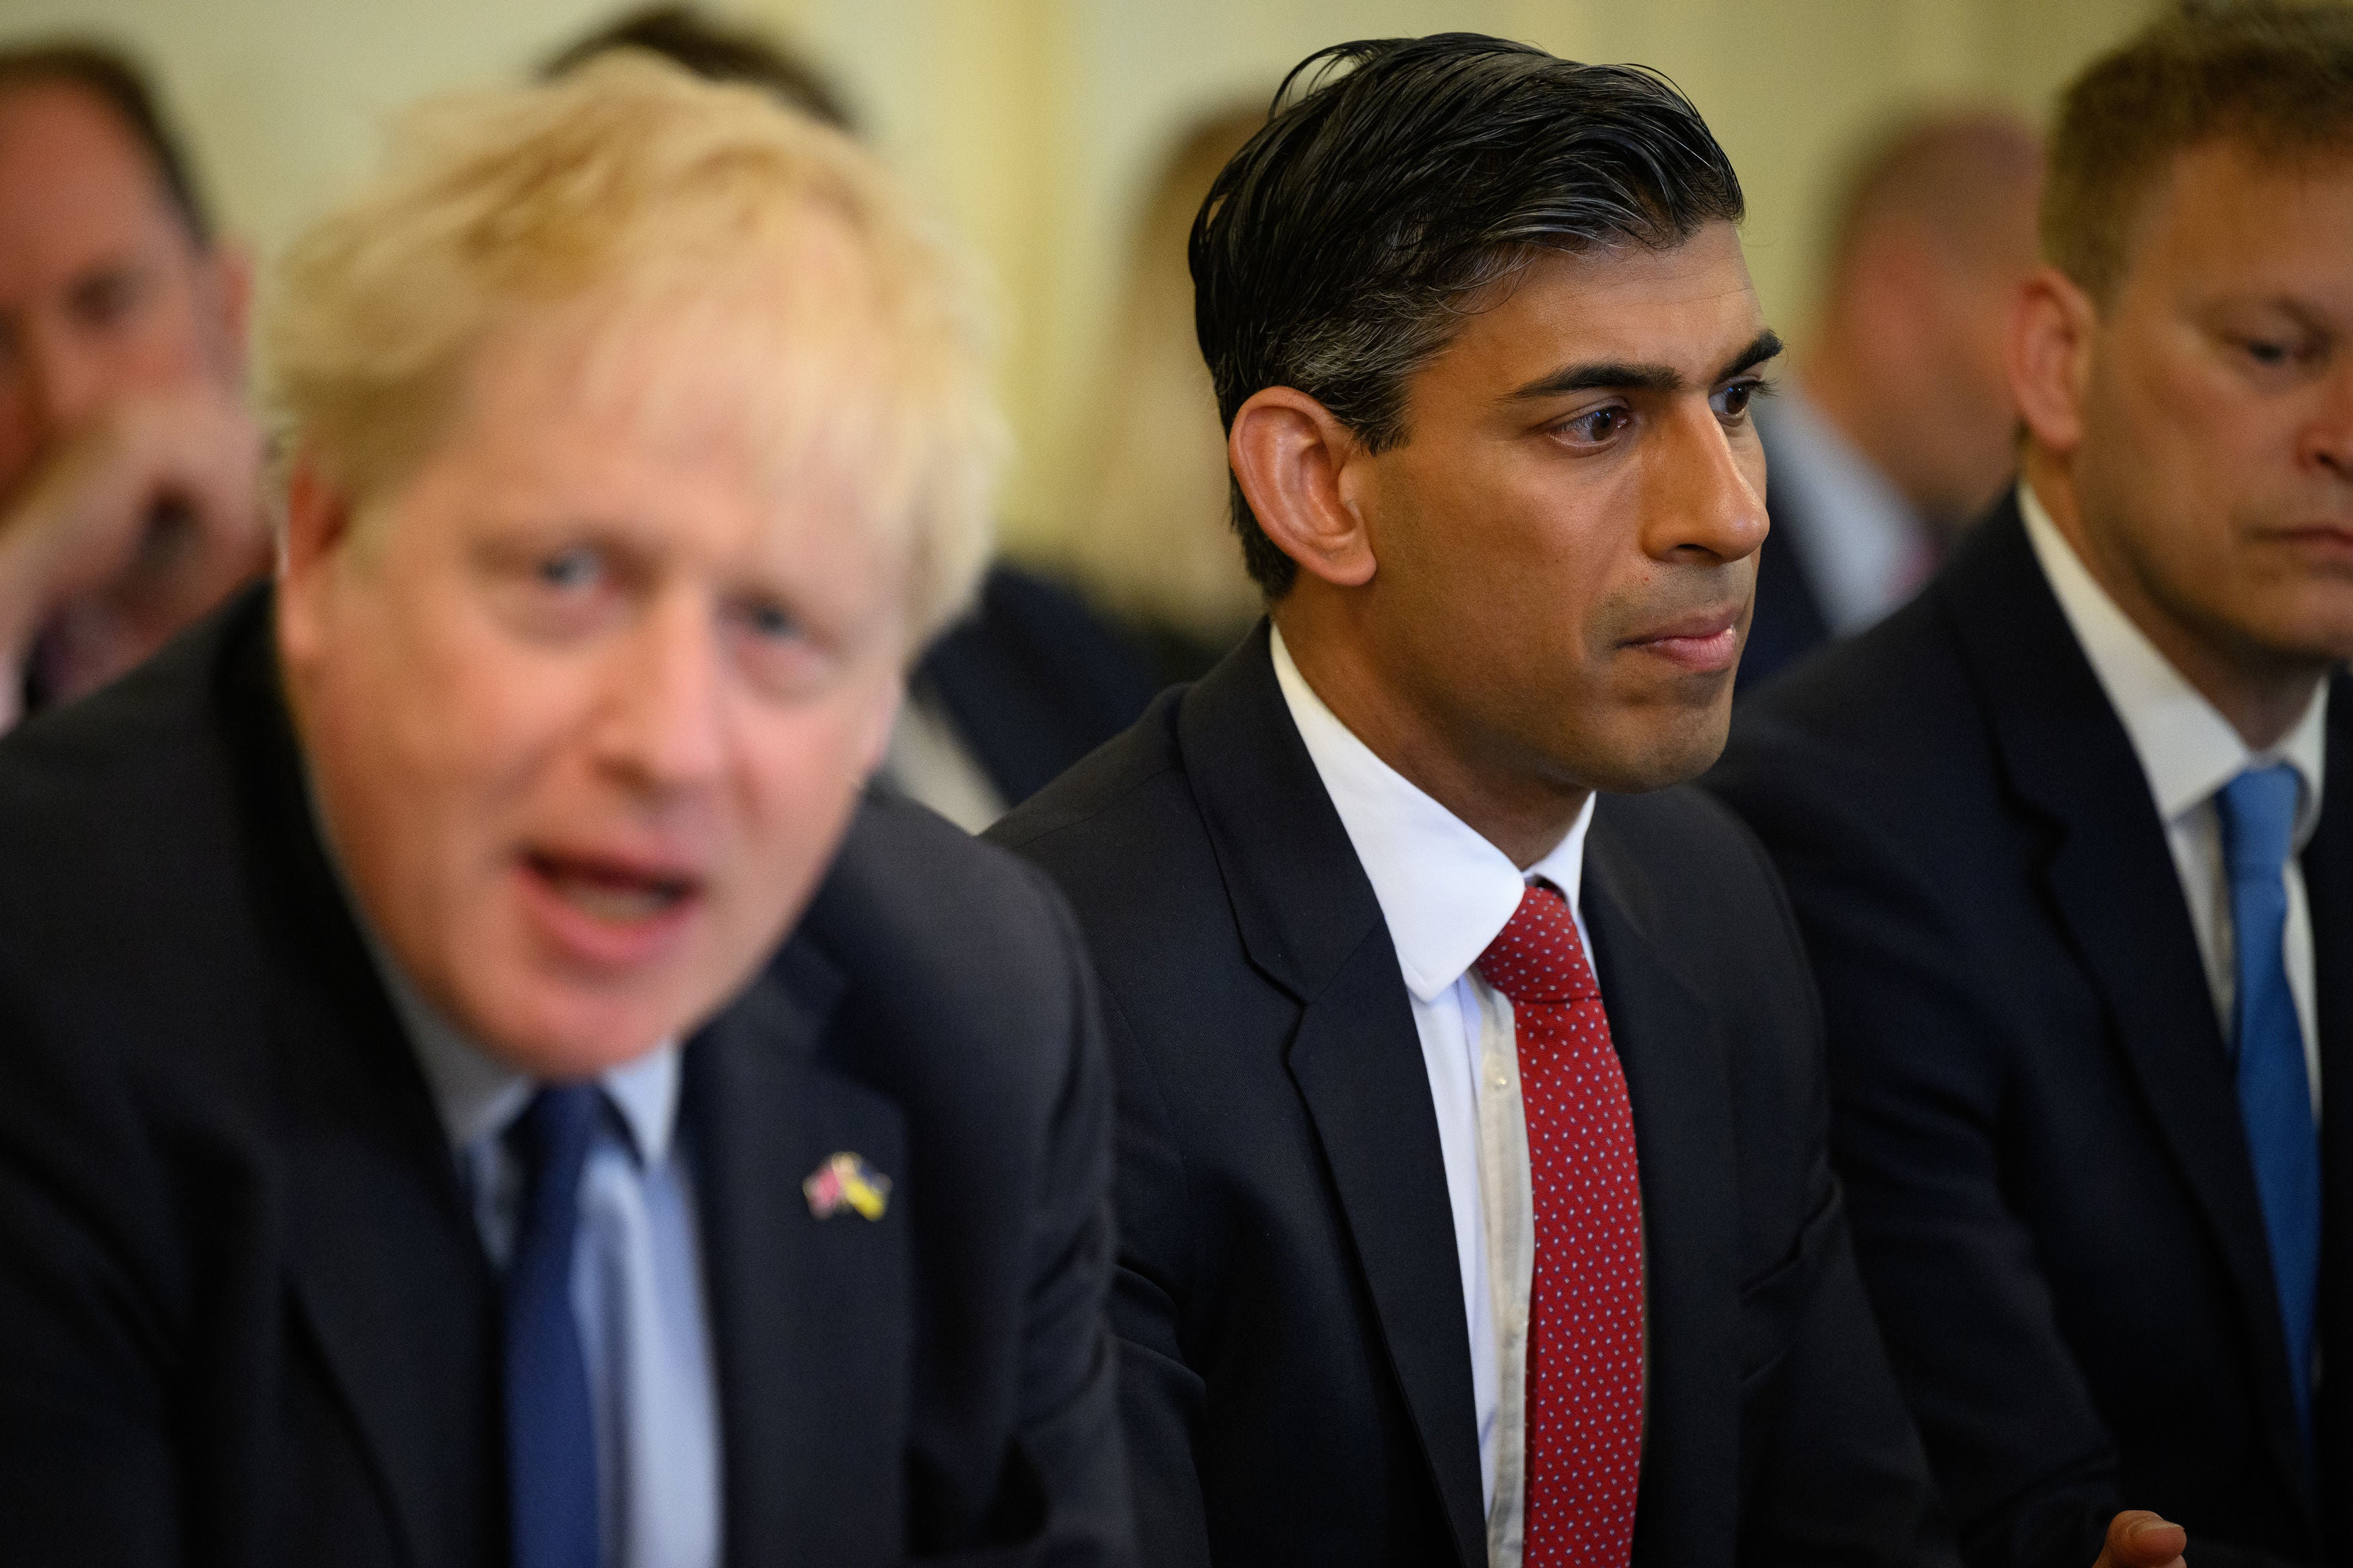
1584 1432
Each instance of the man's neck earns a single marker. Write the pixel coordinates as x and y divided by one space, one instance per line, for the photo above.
2261 697
1524 816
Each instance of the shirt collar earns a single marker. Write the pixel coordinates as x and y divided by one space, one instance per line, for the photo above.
1863 542
1444 890
2187 749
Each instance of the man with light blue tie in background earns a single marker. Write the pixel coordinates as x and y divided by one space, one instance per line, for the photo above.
2069 842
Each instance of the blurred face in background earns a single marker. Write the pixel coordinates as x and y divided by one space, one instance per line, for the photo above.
589 694
2198 425
103 290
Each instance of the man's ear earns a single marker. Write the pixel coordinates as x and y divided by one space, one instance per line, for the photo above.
319 519
1287 454
2049 355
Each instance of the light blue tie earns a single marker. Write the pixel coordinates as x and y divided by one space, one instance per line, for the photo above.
2258 811
550 1427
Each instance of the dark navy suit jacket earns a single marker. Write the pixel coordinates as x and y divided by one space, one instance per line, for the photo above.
246 1317
1033 681
1296 1381
2035 1115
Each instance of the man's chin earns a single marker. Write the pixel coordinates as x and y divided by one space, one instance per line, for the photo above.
1655 755
561 1033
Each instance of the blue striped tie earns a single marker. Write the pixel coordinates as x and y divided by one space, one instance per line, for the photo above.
2258 811
551 1431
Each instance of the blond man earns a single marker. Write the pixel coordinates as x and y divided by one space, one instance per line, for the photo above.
478 1080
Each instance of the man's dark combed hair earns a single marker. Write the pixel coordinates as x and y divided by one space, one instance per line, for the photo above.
716 51
110 77
2276 79
1395 179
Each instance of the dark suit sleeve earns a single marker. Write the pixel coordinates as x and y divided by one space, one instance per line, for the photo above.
1835 1473
1070 1392
1915 1048
86 1468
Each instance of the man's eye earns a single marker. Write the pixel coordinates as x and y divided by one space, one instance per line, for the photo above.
771 622
1597 428
1732 403
570 570
2264 352
107 298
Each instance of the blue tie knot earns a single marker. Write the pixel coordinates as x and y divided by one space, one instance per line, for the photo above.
552 1138
2258 810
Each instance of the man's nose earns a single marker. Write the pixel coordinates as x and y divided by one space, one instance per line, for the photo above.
1703 501
67 380
2329 439
662 723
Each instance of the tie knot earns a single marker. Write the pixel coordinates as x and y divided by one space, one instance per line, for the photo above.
1536 957
552 1136
2258 811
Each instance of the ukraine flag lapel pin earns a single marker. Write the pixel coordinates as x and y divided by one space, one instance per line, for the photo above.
846 1181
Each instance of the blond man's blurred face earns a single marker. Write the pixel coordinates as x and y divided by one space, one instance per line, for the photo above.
589 698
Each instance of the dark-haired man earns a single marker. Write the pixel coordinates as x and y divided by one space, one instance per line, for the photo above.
128 464
2057 839
1472 1190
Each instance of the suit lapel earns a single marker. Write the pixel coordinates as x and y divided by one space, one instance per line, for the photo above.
1676 1081
2329 886
386 1270
810 1320
1309 918
2112 877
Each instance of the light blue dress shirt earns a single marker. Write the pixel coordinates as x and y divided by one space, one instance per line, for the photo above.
637 1280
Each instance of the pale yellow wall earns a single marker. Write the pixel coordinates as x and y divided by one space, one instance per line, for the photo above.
1031 122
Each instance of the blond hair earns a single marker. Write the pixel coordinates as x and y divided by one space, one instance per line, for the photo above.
630 191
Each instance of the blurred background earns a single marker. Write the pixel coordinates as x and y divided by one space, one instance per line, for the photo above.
1040 127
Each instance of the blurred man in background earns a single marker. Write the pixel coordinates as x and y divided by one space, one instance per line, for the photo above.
128 463
481 1081
1898 428
2070 842
1154 538
1029 679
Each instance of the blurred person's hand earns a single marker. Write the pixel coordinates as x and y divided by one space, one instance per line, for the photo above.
126 531
2139 1539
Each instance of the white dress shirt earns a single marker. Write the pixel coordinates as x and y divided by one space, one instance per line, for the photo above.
932 763
1446 893
2188 751
1860 546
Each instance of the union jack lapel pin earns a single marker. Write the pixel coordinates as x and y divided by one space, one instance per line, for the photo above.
846 1181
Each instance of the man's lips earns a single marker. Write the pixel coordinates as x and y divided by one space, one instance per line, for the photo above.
2332 541
606 909
1705 642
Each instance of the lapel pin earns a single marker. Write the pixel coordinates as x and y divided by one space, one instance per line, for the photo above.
846 1180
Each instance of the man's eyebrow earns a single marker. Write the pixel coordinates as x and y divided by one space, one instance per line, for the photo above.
1765 346
1626 375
